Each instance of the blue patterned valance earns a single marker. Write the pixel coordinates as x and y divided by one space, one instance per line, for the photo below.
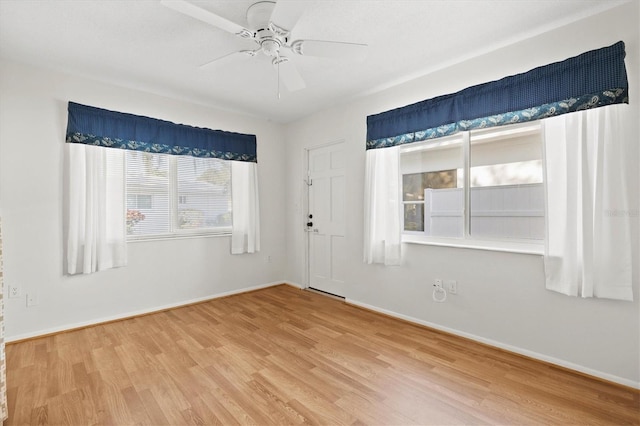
111 129
593 79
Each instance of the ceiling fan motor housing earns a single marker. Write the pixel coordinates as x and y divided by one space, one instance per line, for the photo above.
270 45
266 35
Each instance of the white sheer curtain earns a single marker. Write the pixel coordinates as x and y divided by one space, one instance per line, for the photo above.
588 239
245 233
382 206
95 210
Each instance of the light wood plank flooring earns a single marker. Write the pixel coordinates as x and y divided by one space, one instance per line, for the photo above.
287 356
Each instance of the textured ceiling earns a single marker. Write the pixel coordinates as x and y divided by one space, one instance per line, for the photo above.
144 45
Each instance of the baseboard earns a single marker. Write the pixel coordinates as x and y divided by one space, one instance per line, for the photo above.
514 349
132 314
292 284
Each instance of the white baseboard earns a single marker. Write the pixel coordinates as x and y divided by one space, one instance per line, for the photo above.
97 321
531 354
292 284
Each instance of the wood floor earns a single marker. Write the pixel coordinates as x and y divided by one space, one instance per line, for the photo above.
287 356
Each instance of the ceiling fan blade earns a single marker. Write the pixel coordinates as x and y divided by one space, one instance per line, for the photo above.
233 57
330 49
287 12
290 76
204 15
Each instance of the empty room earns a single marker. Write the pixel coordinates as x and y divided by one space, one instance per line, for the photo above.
330 212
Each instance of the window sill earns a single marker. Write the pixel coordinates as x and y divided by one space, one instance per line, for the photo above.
519 247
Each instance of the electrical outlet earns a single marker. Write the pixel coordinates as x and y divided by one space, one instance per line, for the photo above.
14 291
452 286
437 283
32 299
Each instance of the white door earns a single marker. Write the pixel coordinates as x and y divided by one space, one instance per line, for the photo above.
326 218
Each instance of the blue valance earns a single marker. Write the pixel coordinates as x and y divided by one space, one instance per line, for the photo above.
111 129
590 80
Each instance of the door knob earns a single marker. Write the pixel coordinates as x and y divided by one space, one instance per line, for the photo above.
309 223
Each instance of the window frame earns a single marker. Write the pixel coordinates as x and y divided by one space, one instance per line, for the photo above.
468 240
174 202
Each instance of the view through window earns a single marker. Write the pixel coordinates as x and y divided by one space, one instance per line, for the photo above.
171 195
505 194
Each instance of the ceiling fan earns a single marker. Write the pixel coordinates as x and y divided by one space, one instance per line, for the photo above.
270 26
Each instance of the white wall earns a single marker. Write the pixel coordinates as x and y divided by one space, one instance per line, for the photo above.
160 273
501 297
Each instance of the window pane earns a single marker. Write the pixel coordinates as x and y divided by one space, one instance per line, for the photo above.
147 193
204 193
433 176
507 194
412 187
414 217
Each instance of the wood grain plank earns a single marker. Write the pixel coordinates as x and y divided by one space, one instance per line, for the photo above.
285 356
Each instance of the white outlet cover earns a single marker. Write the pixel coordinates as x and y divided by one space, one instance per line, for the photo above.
14 291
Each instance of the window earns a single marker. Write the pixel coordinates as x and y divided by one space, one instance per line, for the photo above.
170 195
485 184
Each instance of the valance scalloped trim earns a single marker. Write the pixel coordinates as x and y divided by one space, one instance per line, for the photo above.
156 148
594 100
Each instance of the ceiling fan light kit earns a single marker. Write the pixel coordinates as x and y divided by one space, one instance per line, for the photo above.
270 26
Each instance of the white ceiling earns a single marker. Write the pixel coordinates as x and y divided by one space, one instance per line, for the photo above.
144 45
